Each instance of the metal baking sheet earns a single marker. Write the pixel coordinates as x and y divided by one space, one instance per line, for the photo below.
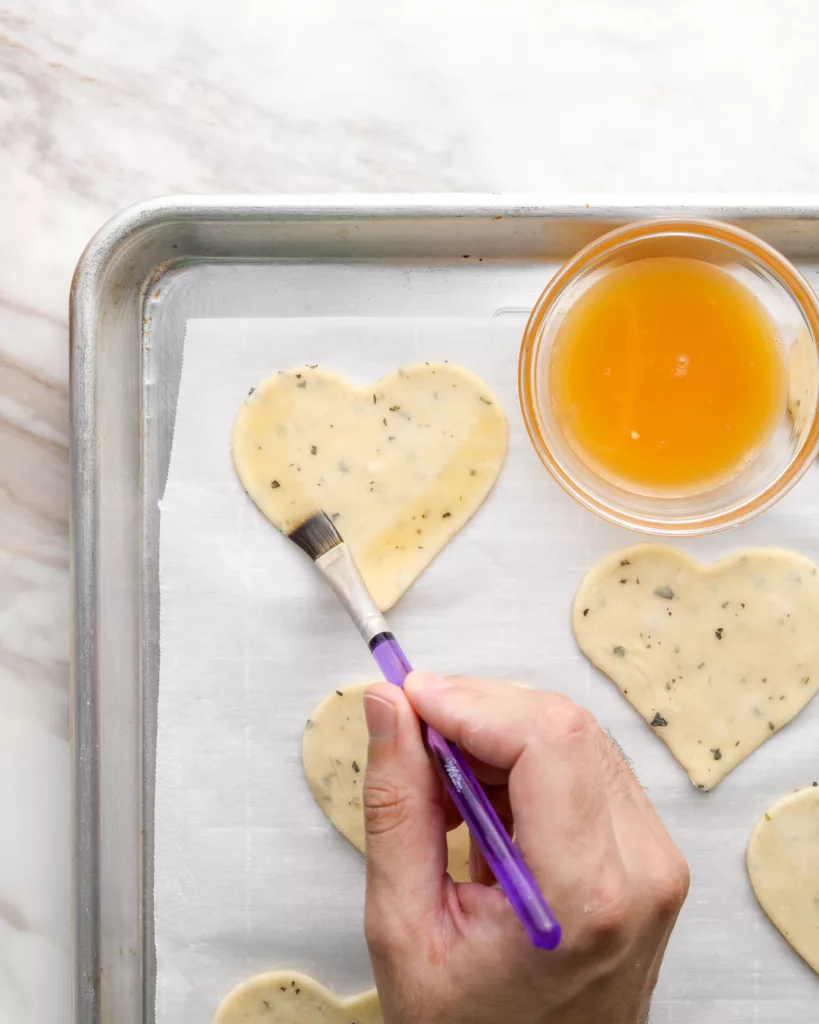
141 278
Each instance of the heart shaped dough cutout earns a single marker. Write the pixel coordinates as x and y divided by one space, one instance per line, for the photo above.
400 466
334 755
803 383
716 658
287 997
783 865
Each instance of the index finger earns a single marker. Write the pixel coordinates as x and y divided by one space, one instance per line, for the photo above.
489 720
562 821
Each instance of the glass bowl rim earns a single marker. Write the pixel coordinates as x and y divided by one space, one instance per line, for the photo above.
608 243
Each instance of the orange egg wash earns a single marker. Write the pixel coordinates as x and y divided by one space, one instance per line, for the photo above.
667 374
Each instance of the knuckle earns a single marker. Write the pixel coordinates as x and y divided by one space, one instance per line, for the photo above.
377 932
471 726
390 933
671 886
562 715
472 717
387 805
608 913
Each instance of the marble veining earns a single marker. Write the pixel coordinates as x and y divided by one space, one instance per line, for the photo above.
102 104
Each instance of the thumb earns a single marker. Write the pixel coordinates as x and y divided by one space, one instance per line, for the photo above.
404 820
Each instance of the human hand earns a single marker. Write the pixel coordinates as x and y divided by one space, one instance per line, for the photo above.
446 953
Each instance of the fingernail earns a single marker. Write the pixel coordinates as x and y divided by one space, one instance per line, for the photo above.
429 681
380 715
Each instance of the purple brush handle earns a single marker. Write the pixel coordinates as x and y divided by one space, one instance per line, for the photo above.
486 828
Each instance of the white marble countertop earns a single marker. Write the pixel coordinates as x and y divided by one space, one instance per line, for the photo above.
103 104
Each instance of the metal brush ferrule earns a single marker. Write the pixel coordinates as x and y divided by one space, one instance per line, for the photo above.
339 569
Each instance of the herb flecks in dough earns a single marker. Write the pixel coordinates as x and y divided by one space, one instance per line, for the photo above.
375 458
782 859
286 997
803 382
712 676
339 738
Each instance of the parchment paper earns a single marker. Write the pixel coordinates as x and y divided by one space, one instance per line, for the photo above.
250 876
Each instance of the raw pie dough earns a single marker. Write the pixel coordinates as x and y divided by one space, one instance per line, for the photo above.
783 864
334 755
287 997
803 383
715 658
399 465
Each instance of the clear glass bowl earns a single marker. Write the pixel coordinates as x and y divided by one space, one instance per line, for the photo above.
794 443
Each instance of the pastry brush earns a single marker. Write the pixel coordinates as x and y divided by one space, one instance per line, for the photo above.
320 539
